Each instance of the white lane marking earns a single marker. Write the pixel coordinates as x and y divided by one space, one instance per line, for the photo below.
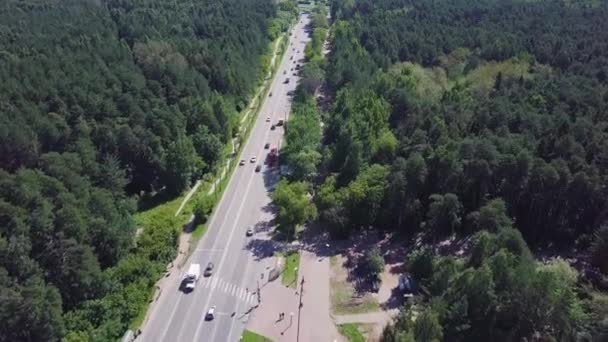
166 329
223 258
214 283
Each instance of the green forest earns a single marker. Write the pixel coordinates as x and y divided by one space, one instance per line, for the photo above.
102 101
477 120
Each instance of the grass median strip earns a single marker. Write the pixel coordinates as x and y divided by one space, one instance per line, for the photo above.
290 272
352 332
250 336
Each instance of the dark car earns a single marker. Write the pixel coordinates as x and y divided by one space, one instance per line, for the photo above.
407 283
272 127
266 146
258 168
208 270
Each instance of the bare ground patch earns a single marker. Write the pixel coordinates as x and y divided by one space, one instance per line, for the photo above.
344 297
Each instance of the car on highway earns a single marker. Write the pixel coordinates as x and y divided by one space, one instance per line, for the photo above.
284 72
272 128
208 270
253 159
286 80
210 315
258 168
242 162
270 94
268 119
295 74
249 232
266 146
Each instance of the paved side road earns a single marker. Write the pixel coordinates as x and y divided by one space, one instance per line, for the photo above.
239 260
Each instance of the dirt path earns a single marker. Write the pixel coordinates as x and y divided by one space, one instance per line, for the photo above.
379 317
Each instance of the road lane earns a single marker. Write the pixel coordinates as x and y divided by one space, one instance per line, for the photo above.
180 316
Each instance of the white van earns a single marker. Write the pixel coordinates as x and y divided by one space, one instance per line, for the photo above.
191 277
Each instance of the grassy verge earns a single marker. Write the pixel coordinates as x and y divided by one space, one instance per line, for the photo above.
250 336
290 272
352 332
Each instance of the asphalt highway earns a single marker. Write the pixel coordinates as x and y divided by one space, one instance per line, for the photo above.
240 262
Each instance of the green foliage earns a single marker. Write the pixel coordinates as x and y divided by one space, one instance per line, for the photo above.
444 213
250 336
183 164
319 24
290 272
375 262
202 208
300 153
420 264
103 101
351 332
295 208
502 294
496 128
427 327
599 249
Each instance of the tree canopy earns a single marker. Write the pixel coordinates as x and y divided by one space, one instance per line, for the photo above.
484 118
102 101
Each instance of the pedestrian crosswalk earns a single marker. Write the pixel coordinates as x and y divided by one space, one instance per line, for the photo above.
244 294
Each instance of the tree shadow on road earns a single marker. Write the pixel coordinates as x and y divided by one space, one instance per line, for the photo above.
262 248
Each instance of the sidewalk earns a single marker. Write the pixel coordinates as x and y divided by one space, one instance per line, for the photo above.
315 322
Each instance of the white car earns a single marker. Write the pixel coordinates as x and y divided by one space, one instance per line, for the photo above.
242 162
210 314
253 159
249 231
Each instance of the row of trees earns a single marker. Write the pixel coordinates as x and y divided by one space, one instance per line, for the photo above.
451 118
300 154
101 100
